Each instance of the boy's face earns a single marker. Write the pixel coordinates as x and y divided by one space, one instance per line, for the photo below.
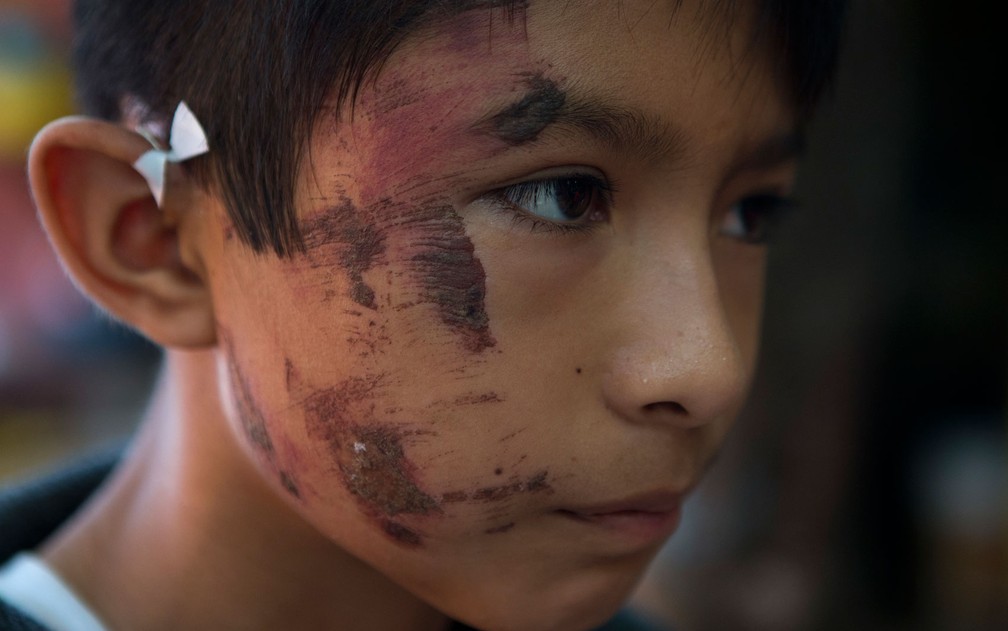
528 310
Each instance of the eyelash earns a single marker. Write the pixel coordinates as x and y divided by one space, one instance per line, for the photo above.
515 199
769 209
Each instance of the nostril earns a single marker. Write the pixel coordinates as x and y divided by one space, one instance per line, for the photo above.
667 407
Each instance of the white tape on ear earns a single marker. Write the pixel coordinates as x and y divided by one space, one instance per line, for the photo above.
186 140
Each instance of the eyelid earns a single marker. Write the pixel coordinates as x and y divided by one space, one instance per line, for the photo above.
499 199
556 173
775 206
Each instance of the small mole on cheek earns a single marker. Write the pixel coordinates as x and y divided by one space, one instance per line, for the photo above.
577 370
498 471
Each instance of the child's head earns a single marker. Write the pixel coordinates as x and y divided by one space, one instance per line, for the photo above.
263 74
481 279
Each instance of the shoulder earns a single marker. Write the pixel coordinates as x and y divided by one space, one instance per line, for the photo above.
30 511
625 620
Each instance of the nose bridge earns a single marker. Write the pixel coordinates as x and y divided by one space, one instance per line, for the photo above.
678 360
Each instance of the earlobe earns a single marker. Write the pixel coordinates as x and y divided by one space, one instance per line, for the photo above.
113 240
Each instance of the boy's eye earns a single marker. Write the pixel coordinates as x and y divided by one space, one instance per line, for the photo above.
565 202
754 218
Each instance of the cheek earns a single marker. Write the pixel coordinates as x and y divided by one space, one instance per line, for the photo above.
244 400
388 371
741 276
418 261
368 454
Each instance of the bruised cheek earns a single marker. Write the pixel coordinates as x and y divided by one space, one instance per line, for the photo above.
369 456
389 266
434 266
253 420
436 272
412 289
451 277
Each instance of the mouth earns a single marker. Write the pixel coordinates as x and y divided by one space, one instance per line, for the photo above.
647 519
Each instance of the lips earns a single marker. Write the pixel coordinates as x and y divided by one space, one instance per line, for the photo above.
649 518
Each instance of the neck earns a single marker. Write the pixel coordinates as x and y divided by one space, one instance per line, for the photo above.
186 534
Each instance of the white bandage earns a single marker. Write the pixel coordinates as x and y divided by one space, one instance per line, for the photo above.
186 140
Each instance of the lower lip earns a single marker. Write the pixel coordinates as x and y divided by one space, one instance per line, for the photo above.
643 526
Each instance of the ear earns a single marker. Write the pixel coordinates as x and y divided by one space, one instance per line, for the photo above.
137 261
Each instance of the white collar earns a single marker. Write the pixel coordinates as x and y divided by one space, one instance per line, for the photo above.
31 586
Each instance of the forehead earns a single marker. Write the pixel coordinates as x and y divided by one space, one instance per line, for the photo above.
682 68
636 35
625 50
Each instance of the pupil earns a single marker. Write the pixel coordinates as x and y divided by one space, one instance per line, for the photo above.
573 197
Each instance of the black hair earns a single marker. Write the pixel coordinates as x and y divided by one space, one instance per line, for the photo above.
258 73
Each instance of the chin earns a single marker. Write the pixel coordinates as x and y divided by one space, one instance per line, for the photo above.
585 602
551 617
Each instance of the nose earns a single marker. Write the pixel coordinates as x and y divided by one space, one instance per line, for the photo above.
676 359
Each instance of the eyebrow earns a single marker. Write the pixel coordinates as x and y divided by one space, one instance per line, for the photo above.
523 121
621 130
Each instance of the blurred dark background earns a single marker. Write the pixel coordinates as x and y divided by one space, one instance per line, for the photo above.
866 485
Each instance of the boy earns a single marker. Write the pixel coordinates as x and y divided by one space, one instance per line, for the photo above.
457 305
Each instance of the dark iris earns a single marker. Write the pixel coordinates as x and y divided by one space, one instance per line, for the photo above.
760 214
572 202
574 197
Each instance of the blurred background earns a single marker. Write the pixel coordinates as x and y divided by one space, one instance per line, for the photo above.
866 485
69 378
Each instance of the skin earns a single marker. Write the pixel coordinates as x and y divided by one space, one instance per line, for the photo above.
410 420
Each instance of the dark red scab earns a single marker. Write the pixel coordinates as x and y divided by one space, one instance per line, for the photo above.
454 497
401 533
290 373
538 483
523 121
395 94
251 416
376 471
535 484
444 264
512 435
499 529
361 244
370 457
451 275
252 419
478 398
289 484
